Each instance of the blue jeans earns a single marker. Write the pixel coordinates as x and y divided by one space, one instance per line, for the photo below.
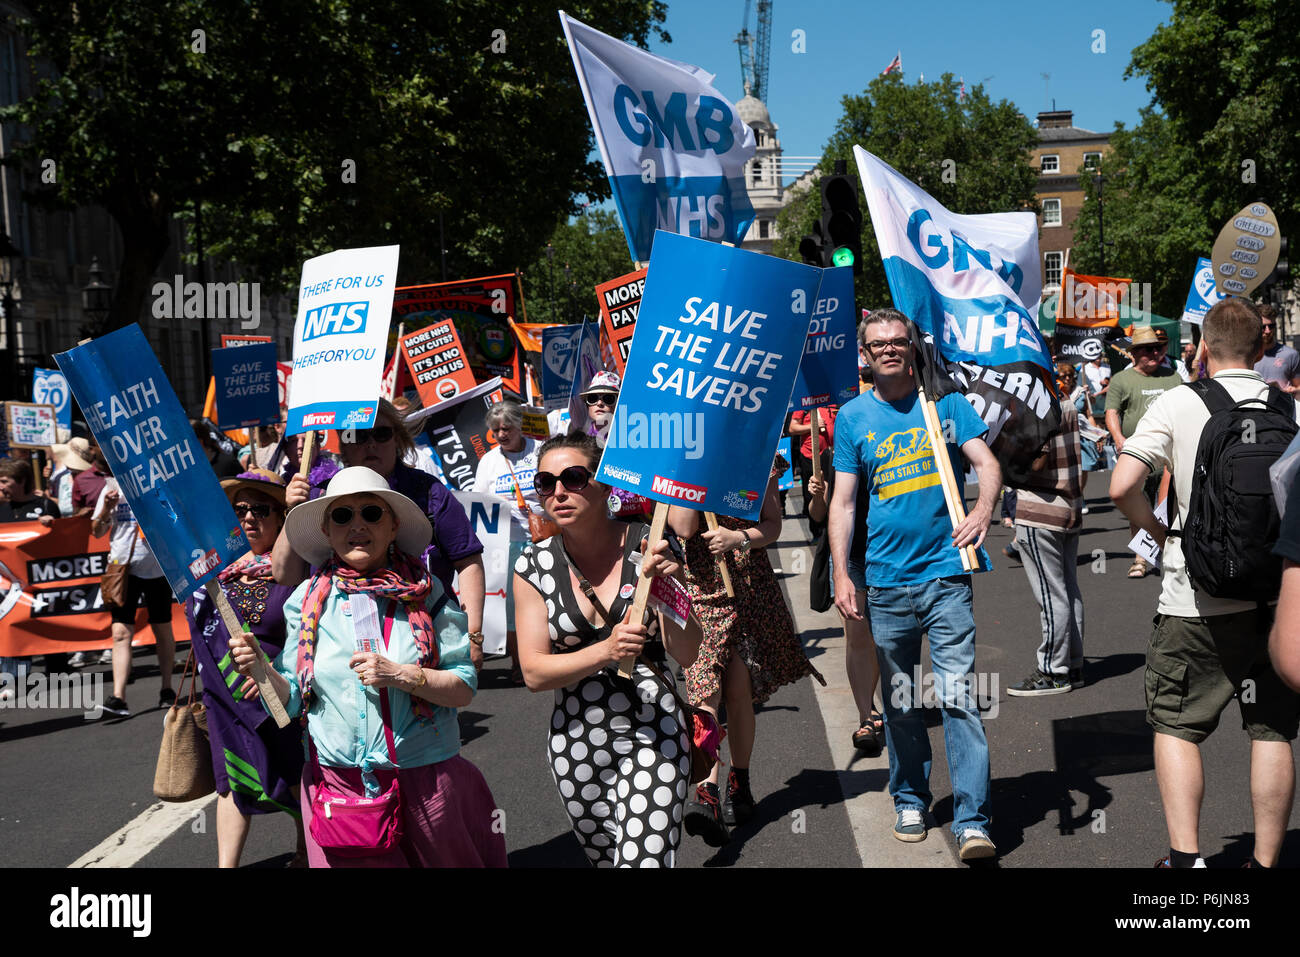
899 615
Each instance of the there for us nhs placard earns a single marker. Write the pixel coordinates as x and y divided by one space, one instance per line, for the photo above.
345 304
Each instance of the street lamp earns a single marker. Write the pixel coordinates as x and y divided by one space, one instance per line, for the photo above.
9 252
568 274
550 282
96 297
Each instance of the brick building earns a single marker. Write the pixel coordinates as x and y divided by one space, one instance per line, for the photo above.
1063 155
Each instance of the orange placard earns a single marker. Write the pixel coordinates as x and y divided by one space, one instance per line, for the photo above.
1090 300
620 301
49 591
436 360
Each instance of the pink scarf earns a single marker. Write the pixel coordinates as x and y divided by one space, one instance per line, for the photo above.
250 566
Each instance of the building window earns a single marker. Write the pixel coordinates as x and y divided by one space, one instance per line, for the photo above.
1051 212
1051 163
758 172
1052 268
764 227
1091 160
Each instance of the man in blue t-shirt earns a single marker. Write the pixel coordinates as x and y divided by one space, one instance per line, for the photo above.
912 581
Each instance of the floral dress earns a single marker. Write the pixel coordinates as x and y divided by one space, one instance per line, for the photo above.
755 625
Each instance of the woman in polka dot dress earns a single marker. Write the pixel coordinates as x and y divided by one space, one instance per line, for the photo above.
618 749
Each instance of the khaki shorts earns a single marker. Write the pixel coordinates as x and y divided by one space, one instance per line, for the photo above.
1195 666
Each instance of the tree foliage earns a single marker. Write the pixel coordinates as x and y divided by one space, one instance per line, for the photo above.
971 154
1222 130
588 250
301 126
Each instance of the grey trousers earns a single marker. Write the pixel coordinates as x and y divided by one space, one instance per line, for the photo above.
1050 560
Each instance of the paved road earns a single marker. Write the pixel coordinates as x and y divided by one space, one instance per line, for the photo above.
1072 774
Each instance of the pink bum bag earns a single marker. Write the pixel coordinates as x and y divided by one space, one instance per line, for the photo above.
352 826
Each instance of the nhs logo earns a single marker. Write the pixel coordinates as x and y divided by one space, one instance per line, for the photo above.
336 318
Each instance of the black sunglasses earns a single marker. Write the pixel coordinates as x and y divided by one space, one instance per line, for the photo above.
609 398
575 478
370 514
257 511
362 436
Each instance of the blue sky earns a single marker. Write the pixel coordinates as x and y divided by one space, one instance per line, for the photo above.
1010 43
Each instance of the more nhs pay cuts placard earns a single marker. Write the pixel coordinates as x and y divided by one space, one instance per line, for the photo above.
717 345
345 304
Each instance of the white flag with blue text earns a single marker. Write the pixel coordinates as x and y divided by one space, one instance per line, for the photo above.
674 148
971 283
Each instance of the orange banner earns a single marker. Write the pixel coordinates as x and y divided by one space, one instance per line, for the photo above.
436 360
49 591
1090 300
620 301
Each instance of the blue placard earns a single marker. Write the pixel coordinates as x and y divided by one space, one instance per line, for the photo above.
248 392
49 387
1202 295
155 457
828 373
717 345
786 480
559 359
587 365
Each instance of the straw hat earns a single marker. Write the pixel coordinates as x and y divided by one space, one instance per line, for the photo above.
255 480
1145 336
74 455
303 525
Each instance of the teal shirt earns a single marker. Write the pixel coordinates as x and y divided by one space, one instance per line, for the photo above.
345 720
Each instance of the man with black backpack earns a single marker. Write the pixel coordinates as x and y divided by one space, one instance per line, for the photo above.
1210 643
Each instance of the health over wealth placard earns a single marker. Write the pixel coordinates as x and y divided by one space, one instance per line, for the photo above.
345 304
155 456
718 342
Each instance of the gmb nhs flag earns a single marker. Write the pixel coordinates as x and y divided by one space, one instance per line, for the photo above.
972 284
674 149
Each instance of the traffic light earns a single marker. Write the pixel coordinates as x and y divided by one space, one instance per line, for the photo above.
813 247
841 223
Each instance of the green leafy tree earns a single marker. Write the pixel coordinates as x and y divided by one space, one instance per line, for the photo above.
559 285
971 155
301 126
1222 130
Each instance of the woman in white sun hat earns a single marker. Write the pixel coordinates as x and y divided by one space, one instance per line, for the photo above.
377 659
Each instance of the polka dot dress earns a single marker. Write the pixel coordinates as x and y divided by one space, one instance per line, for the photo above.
618 748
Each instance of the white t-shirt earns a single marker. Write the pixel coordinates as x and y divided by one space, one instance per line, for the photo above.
494 475
1167 437
1095 375
124 531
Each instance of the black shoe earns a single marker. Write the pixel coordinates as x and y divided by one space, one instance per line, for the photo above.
1076 678
739 806
1040 684
1012 552
116 706
703 817
166 698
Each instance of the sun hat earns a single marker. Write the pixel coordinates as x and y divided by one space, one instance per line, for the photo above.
255 480
603 382
303 525
1145 336
75 454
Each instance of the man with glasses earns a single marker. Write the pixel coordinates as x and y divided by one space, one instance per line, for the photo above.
912 581
1131 393
1280 364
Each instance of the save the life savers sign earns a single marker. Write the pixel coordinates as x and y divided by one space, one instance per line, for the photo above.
345 304
718 343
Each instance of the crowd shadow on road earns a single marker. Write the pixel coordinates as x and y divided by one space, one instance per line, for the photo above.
16 732
1086 749
1238 848
563 850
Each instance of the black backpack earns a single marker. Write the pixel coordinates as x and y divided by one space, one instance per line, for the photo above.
1232 520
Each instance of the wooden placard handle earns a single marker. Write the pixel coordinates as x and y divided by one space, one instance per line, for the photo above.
643 581
236 627
956 508
816 451
308 450
712 521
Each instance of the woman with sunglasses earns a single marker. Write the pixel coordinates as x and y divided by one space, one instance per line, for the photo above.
257 765
378 663
750 646
454 549
507 472
618 748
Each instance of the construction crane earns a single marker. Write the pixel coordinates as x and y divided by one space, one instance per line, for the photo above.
755 51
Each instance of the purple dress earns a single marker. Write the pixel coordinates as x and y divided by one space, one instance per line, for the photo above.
252 759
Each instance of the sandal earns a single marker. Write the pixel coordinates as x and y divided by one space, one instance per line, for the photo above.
869 736
1138 569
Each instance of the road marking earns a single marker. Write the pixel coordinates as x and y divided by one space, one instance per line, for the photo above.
127 845
864 781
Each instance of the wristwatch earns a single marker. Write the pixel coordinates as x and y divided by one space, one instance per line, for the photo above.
749 542
476 637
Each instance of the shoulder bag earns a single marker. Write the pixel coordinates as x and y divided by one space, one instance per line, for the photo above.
112 584
184 771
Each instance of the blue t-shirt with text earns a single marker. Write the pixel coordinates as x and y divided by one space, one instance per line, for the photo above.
909 534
